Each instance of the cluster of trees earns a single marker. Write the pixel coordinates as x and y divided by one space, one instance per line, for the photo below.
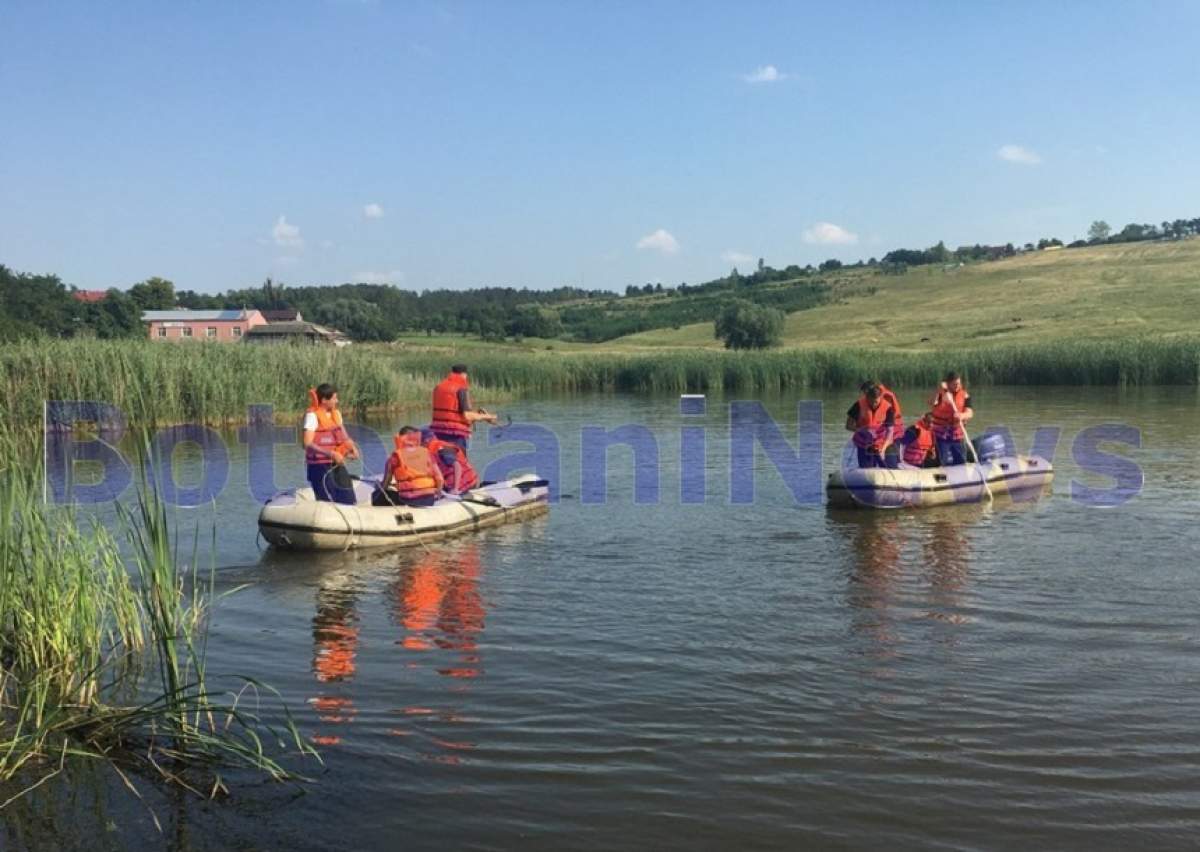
745 325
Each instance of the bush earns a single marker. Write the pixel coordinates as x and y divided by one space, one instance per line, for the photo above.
745 325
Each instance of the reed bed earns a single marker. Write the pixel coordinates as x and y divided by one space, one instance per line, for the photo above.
103 659
1171 361
216 383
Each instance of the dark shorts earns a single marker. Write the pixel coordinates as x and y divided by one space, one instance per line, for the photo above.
320 477
393 498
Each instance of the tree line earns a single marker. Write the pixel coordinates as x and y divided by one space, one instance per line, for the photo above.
43 305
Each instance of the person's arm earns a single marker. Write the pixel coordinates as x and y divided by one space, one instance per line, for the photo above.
967 412
469 411
388 471
852 418
889 424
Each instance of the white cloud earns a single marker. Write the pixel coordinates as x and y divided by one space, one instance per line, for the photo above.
373 211
660 240
1018 154
286 234
393 276
286 260
765 74
736 257
828 234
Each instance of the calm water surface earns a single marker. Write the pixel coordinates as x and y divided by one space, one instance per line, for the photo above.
721 676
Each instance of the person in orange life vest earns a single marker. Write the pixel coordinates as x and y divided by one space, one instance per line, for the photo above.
327 446
872 420
453 413
452 461
889 396
414 472
951 406
920 446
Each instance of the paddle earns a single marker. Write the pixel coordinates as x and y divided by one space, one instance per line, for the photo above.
967 438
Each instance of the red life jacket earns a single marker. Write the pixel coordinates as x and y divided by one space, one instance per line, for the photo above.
872 428
452 461
898 425
944 425
919 448
447 417
412 469
330 434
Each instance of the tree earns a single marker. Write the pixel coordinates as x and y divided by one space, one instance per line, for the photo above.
153 294
830 265
745 325
1099 231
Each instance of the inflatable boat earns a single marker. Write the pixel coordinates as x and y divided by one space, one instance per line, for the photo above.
886 488
293 520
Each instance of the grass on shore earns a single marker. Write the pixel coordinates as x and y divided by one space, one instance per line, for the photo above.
106 664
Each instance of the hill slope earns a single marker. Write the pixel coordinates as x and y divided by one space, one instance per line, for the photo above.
1111 291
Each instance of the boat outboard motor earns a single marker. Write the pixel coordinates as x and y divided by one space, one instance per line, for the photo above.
991 445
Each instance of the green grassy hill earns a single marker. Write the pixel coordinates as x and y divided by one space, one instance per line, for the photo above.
1099 293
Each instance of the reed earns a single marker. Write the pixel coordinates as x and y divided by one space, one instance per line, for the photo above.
216 383
101 660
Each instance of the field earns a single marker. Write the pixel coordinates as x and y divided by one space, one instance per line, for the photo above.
1099 293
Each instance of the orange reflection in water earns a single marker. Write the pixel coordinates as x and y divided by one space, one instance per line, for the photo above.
335 647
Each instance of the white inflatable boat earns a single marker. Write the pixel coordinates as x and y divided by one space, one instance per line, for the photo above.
294 520
884 488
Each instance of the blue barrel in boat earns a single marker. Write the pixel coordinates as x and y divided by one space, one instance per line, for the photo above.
991 445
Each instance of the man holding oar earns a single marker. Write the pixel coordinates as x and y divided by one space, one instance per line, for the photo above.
453 413
872 420
951 406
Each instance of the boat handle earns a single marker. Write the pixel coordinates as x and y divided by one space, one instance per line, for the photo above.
939 477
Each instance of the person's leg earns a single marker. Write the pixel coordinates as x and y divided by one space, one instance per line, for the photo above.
421 502
864 457
319 481
957 450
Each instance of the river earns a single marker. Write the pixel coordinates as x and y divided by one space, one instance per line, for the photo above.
668 674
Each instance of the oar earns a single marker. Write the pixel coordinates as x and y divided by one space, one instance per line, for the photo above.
978 464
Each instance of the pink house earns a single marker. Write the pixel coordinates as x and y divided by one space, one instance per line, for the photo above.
221 326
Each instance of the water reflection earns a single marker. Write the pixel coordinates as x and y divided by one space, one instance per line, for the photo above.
335 648
437 603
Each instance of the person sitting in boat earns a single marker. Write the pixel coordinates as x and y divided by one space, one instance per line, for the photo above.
889 396
951 408
411 477
452 461
453 412
920 446
872 420
326 447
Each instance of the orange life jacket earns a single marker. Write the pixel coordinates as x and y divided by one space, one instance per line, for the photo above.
412 469
919 448
447 417
871 423
898 424
452 461
330 434
944 424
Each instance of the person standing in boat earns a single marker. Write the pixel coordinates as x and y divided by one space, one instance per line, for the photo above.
412 476
872 420
453 412
327 446
889 396
951 406
920 445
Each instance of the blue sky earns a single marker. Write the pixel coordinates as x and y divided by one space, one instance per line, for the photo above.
537 144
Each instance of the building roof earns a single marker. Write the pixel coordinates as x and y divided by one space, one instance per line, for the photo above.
194 316
90 295
282 315
290 328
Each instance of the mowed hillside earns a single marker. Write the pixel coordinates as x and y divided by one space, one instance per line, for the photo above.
1125 290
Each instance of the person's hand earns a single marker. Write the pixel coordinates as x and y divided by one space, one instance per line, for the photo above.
352 451
338 458
944 386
